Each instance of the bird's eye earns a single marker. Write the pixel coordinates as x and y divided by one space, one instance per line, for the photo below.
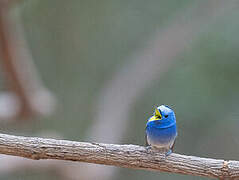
166 116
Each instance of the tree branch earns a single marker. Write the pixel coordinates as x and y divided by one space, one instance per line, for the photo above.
127 156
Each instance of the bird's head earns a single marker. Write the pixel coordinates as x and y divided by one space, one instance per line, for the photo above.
163 114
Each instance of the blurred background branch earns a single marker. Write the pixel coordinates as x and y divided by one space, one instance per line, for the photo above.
27 96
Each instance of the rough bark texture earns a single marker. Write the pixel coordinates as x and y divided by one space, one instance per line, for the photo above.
127 156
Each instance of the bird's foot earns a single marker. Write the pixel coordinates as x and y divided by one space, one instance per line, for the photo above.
148 148
168 153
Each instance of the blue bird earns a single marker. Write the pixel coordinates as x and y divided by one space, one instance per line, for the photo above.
161 129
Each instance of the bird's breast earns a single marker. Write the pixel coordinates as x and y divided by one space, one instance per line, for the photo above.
161 136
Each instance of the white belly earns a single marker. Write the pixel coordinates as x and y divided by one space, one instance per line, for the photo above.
158 145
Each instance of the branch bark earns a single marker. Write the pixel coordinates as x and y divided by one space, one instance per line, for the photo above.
127 156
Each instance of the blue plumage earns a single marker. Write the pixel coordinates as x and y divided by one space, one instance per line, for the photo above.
161 129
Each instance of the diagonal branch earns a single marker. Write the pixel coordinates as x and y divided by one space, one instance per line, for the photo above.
127 156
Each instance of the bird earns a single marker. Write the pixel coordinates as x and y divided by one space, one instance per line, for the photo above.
161 129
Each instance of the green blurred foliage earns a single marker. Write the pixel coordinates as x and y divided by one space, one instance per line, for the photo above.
78 45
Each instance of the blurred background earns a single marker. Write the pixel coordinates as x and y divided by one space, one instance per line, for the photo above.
93 71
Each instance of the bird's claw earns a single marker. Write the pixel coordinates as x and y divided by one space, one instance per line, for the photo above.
168 153
148 148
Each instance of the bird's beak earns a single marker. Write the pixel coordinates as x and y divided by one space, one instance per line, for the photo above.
157 113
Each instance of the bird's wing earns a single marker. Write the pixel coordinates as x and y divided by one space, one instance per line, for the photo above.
146 141
172 148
